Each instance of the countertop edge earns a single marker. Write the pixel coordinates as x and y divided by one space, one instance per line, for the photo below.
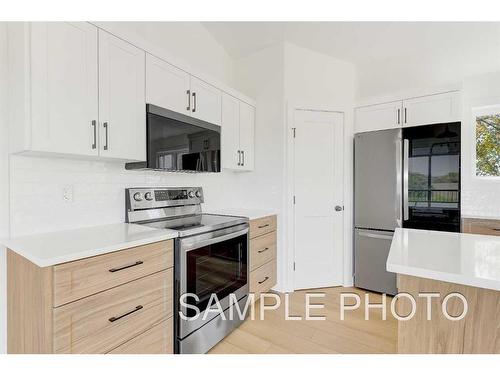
86 253
445 277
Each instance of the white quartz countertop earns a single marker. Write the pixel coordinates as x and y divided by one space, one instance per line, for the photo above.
48 249
461 258
250 213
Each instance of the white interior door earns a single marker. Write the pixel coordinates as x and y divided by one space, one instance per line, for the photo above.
318 189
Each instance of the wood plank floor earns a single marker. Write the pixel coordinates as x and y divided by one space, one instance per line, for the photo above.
276 335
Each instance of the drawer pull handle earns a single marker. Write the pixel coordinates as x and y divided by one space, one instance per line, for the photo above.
496 229
264 249
115 318
125 267
265 279
263 226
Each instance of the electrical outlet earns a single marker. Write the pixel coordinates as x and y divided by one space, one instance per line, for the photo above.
67 193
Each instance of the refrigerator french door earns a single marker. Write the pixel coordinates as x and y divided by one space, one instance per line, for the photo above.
377 206
431 178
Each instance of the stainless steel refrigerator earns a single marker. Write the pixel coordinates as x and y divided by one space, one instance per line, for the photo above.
407 178
377 206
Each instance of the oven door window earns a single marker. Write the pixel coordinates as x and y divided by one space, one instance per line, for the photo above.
220 268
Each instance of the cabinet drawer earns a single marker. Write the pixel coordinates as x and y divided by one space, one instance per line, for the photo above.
261 226
156 340
481 226
262 250
84 277
263 278
101 322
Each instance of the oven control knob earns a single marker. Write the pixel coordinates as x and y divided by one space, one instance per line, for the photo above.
198 193
138 197
148 196
191 194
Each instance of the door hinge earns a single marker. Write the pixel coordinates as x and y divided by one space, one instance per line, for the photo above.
293 132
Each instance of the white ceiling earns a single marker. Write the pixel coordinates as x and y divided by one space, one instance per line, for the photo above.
362 42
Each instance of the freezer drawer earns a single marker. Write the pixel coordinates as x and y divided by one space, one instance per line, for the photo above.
377 179
371 249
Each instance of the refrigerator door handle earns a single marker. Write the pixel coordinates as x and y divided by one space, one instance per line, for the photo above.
362 233
406 152
399 184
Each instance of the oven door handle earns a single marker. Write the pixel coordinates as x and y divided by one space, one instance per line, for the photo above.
191 243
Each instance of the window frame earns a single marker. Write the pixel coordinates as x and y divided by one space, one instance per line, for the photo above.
477 112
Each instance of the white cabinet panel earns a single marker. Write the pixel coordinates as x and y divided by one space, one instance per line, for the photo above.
247 127
205 101
230 129
64 97
167 86
378 117
432 109
122 111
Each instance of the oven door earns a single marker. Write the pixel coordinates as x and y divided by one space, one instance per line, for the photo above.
210 263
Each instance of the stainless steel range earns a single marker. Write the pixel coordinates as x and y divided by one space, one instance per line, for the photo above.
210 258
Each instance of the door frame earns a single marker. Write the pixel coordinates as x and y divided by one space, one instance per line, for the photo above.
288 279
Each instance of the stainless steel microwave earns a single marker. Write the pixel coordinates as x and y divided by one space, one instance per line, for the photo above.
179 143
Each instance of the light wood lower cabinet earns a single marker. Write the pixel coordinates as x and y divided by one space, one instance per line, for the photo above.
156 340
263 269
129 308
489 227
477 332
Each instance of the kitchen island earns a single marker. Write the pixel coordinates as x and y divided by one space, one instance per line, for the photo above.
448 265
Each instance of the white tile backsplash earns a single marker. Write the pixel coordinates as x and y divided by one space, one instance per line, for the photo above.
37 185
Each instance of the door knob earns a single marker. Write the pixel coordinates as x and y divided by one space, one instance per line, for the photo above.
339 208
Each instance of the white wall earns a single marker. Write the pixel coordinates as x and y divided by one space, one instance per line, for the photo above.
317 81
4 180
260 75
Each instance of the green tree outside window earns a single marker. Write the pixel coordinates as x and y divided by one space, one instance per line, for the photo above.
488 145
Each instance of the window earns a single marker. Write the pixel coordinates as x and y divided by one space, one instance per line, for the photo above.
488 144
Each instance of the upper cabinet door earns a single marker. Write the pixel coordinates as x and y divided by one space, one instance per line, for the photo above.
64 104
432 109
230 128
247 128
167 86
378 117
122 101
205 101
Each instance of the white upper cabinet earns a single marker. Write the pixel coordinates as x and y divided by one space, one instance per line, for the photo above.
206 101
238 125
378 117
122 103
432 109
167 86
64 97
230 129
247 128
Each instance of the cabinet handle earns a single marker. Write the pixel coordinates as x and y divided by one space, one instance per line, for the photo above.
194 102
105 126
94 125
264 249
263 226
405 116
239 158
115 318
127 266
399 116
188 92
265 279
243 157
